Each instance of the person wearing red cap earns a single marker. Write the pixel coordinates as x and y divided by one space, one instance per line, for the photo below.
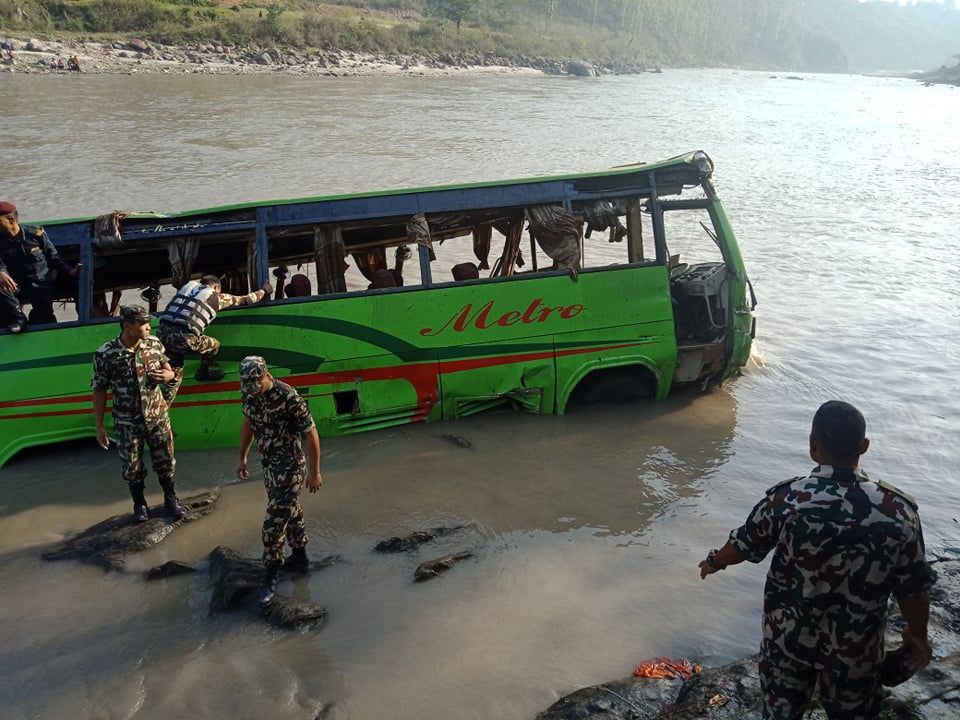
29 264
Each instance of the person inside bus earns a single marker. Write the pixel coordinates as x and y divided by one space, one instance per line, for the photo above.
299 286
402 254
465 271
99 307
382 278
29 265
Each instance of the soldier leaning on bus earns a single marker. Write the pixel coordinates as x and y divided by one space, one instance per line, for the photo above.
29 264
842 544
187 315
135 366
278 417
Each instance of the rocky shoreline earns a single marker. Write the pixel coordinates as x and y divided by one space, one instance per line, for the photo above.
732 691
139 56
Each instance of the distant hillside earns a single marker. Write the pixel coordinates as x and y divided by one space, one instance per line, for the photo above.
816 35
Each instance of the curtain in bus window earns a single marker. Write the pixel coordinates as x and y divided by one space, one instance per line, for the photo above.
418 231
481 245
558 234
106 229
183 254
329 252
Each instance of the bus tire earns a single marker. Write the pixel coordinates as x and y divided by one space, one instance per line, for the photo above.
615 385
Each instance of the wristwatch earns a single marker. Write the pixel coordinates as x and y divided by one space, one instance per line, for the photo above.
712 560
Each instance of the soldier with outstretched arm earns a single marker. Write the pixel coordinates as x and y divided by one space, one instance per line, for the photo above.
187 315
842 544
278 418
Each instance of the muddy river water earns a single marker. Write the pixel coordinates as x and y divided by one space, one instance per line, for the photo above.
845 195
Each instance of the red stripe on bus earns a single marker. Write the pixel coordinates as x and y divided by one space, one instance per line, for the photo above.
423 376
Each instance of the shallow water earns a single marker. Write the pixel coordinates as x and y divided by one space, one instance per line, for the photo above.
587 528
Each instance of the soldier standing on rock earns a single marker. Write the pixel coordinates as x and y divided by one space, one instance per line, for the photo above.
278 417
135 366
187 315
842 544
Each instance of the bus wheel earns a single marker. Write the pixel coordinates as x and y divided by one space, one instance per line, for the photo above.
615 385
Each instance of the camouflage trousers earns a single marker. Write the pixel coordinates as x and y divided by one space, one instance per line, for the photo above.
179 341
284 520
158 439
788 686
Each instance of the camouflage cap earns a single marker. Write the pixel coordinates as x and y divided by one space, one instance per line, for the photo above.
134 313
252 370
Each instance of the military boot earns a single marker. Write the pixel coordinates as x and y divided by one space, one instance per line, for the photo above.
140 511
171 503
210 371
297 561
269 589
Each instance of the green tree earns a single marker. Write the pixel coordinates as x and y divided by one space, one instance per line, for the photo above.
455 10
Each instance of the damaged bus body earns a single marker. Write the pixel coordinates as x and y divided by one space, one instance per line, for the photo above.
619 288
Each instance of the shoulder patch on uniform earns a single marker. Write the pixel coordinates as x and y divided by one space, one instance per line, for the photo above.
884 485
105 348
780 484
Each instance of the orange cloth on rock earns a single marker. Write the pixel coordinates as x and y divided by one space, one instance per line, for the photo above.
664 668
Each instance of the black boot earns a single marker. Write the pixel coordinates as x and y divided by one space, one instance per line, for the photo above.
211 371
269 589
140 511
17 324
170 501
297 561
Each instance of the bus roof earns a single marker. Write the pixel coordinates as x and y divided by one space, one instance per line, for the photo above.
694 164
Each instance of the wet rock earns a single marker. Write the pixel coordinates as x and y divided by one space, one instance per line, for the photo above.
140 45
413 540
236 581
109 542
581 68
626 699
458 441
263 59
433 568
170 568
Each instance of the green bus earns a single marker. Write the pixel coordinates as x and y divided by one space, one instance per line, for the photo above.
532 293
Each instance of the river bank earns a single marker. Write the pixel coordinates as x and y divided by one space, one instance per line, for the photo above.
138 56
733 690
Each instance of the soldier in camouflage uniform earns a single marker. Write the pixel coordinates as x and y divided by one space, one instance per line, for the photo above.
135 366
842 544
278 417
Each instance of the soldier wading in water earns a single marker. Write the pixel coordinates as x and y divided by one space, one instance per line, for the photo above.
135 366
187 315
278 417
842 544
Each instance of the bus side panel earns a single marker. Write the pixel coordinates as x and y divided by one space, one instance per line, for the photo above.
635 328
45 395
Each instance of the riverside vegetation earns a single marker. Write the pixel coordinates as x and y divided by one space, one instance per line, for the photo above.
626 35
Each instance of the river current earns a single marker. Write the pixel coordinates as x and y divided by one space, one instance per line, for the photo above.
844 193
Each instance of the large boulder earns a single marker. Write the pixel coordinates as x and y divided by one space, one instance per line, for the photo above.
581 68
236 580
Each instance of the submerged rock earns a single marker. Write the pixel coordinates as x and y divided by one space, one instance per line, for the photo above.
109 542
237 579
170 569
432 568
458 441
413 540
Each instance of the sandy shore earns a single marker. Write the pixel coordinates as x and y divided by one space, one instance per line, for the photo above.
140 56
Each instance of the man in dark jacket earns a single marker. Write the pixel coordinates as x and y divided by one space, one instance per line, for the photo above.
29 265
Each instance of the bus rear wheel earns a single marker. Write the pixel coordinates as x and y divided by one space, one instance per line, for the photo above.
615 385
